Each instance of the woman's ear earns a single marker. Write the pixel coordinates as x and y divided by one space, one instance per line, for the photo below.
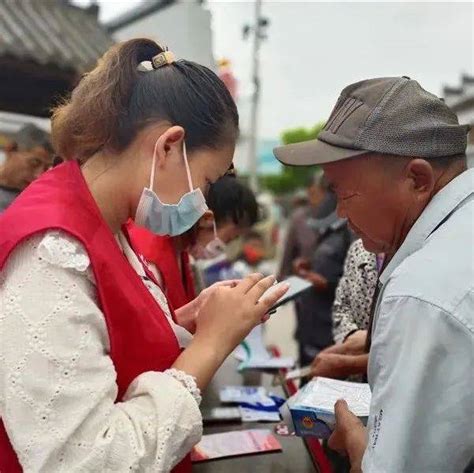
169 144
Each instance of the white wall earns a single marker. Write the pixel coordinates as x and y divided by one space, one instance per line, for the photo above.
467 117
12 122
185 27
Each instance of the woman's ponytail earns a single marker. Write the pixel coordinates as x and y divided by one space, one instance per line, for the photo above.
117 99
92 117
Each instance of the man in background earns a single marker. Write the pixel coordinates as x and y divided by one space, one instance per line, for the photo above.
301 238
323 269
27 156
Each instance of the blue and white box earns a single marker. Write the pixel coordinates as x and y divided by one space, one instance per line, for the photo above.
310 412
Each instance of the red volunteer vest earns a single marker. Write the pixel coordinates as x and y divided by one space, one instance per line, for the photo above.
159 250
141 338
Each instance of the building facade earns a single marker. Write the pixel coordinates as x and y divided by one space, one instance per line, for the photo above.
461 101
184 26
45 47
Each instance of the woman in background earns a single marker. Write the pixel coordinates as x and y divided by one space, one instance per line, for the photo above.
233 209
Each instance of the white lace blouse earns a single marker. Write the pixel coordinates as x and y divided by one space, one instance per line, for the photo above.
58 382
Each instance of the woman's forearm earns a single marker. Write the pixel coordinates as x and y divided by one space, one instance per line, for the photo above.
201 359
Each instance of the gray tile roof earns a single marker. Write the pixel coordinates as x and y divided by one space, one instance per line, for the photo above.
51 33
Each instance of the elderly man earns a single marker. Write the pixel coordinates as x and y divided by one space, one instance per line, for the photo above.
28 155
395 156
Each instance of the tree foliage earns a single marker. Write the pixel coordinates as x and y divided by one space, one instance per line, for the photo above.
292 177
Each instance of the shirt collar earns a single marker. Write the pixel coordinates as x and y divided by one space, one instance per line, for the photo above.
441 206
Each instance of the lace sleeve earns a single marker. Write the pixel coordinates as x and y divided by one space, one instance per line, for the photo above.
58 382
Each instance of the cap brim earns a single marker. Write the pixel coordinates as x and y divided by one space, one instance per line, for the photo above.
312 152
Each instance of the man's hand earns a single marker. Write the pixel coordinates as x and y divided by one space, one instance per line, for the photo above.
299 264
354 344
331 365
337 366
349 437
319 282
186 316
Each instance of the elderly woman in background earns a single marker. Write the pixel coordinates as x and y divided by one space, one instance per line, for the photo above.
350 314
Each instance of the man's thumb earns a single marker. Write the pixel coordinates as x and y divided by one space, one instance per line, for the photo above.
341 409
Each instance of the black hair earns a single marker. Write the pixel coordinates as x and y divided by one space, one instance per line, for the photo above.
117 100
229 199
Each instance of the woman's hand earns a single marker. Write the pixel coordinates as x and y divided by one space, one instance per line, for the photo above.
349 437
226 317
186 316
230 313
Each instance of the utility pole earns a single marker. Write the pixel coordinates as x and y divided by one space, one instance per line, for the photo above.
258 33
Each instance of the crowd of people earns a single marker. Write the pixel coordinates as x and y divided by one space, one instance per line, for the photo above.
107 335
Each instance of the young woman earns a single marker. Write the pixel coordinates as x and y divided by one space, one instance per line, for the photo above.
96 374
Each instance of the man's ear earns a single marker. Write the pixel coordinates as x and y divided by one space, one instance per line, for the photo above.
422 177
170 143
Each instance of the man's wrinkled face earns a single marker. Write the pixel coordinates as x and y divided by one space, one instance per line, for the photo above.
23 167
377 200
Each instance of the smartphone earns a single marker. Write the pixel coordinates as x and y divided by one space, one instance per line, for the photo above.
297 286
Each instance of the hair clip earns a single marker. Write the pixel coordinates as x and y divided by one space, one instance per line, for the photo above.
163 59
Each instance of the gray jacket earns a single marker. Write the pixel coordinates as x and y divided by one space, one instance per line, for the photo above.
314 308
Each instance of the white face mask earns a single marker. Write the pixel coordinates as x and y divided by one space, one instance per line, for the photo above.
212 250
170 219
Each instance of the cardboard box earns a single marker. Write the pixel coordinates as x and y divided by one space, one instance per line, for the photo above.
310 412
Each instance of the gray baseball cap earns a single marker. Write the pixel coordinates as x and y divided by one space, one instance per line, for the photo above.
390 115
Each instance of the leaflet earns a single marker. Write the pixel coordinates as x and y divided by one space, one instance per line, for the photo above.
236 443
323 393
245 394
